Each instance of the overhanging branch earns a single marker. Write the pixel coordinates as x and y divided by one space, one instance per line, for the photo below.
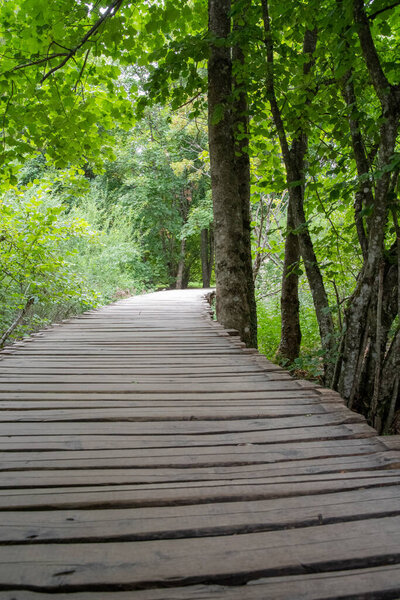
372 16
111 10
70 53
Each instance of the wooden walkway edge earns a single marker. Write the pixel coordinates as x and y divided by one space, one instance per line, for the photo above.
146 454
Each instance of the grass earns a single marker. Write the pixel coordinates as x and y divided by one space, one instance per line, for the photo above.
308 365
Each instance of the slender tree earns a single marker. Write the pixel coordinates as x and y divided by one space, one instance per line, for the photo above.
294 155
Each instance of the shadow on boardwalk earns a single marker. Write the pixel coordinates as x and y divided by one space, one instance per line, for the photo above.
147 455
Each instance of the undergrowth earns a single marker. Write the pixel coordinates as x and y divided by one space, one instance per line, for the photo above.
309 363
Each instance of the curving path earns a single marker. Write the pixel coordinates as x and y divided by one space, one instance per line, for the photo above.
145 454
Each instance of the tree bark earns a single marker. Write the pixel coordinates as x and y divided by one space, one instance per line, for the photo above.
206 264
242 167
181 267
289 347
232 302
16 322
364 300
294 160
316 283
363 196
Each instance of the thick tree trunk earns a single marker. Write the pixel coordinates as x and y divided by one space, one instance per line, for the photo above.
232 303
389 393
369 312
289 346
364 296
382 312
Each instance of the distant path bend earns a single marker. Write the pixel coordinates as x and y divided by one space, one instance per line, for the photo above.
146 454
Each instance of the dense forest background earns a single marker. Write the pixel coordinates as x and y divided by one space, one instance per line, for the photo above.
107 188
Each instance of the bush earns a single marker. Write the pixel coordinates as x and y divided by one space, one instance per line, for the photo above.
35 270
269 332
57 261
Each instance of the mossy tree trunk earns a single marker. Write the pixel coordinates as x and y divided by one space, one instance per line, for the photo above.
234 299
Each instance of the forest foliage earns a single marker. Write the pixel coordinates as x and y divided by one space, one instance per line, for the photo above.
106 175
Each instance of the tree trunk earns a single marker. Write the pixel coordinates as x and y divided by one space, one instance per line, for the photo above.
294 159
368 371
289 347
364 295
242 167
181 267
232 304
368 313
389 393
186 274
205 258
316 283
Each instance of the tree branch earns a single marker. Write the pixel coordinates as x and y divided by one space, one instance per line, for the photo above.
379 79
108 13
39 61
270 84
372 16
111 10
363 196
82 69
17 321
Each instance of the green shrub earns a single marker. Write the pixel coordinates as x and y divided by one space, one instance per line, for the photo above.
35 252
309 363
57 261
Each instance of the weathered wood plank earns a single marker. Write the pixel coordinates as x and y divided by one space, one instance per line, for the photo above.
249 473
264 396
157 414
198 466
142 388
146 407
203 455
183 493
191 427
238 558
89 440
353 584
116 369
172 522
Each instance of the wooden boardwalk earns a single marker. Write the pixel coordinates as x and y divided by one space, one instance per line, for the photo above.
146 455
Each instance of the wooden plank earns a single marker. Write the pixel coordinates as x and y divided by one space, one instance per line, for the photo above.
203 455
84 369
216 559
142 388
90 440
184 428
173 522
390 441
258 473
353 584
116 380
117 495
146 413
285 405
16 358
151 396
193 463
